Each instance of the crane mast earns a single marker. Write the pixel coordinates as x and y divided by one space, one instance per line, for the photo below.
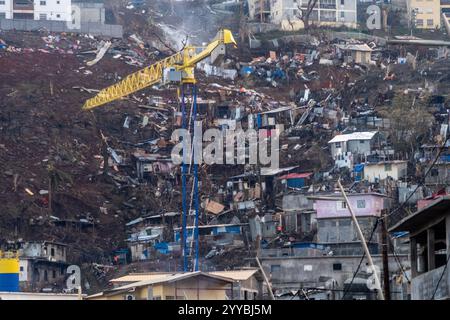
178 68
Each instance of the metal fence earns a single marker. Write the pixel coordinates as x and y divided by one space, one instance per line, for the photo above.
95 29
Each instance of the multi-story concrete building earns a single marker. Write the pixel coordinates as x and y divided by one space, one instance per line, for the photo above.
59 10
287 13
445 13
424 14
259 10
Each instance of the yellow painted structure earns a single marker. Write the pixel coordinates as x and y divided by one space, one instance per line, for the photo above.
182 286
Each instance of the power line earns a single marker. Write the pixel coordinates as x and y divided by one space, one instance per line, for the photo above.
361 261
398 260
441 149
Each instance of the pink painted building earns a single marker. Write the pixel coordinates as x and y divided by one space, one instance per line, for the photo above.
363 204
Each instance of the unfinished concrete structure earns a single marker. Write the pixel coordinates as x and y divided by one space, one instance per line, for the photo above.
429 233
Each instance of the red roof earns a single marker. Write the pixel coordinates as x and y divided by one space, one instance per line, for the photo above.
296 175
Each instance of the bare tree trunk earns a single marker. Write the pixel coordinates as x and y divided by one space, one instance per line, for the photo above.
105 159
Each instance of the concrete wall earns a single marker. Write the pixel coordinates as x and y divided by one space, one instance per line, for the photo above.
378 171
423 286
96 29
440 174
293 272
53 10
332 208
359 146
296 202
91 12
427 10
343 230
23 270
49 251
348 10
7 9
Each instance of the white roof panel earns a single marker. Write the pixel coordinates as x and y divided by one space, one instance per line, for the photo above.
353 136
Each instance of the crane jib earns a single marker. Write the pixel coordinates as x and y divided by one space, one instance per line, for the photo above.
182 62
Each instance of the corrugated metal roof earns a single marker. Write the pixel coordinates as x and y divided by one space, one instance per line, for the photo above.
237 275
171 278
355 47
353 136
296 175
140 277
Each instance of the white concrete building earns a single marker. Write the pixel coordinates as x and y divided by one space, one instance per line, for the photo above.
346 148
332 13
58 10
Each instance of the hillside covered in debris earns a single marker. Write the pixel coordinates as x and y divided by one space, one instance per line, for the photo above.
369 111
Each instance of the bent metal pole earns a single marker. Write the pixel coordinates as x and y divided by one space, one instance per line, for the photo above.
363 242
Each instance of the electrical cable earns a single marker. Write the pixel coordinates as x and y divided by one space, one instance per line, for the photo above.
421 183
361 261
440 278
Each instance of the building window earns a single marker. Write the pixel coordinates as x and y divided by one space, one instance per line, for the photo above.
361 204
2 2
361 141
54 274
337 266
21 269
419 22
52 252
43 3
157 298
387 167
430 22
342 2
42 16
2 15
58 2
58 16
343 205
275 268
337 144
342 14
170 298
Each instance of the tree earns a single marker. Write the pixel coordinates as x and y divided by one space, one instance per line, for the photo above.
55 178
305 12
409 123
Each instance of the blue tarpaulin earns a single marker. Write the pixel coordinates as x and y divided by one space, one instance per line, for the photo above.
162 247
445 158
279 74
296 183
358 169
247 70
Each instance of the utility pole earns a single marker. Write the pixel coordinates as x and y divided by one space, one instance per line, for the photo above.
363 243
385 244
269 287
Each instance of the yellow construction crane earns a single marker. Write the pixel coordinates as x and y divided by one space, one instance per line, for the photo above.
176 68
